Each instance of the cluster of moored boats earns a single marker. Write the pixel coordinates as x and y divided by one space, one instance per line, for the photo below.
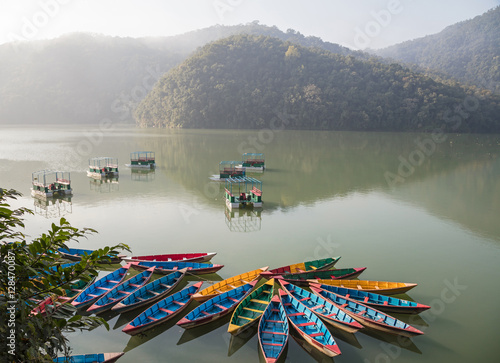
277 305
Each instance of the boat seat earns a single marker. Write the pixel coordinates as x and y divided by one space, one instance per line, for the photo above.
273 344
134 285
332 315
204 312
316 335
166 286
232 299
275 321
114 281
275 310
363 312
305 298
287 304
297 314
307 324
92 295
254 310
366 299
103 288
380 320
154 319
220 306
166 311
273 332
317 307
122 292
348 295
259 301
179 303
140 298
386 302
244 317
343 305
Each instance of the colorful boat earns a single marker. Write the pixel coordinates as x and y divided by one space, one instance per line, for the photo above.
330 313
103 167
78 286
162 311
216 307
75 254
251 308
315 265
121 291
142 160
302 278
230 169
193 268
90 358
377 301
95 291
273 331
151 292
243 191
253 162
308 325
228 284
185 257
49 183
366 315
50 304
379 287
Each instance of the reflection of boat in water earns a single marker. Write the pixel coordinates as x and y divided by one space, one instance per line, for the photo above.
144 174
102 167
53 207
106 185
243 220
49 183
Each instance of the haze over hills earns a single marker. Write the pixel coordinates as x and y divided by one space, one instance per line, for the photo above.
468 51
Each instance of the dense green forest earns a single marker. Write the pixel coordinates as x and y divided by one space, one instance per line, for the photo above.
468 51
248 81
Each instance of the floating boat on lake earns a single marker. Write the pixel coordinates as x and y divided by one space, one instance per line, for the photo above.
184 257
50 304
216 307
95 291
273 331
379 287
308 325
162 311
75 254
228 284
192 268
366 315
103 167
243 191
302 278
49 183
377 301
253 162
121 291
90 358
327 311
251 308
315 265
78 286
151 292
142 160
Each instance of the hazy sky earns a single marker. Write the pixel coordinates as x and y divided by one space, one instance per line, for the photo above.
352 23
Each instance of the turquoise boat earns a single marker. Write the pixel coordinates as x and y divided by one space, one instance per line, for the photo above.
90 358
273 331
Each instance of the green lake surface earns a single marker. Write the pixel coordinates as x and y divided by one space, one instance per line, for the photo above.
409 207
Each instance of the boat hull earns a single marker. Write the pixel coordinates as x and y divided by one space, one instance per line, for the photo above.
183 257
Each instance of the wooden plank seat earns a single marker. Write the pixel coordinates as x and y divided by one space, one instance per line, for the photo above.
233 299
254 310
316 335
166 310
259 301
244 317
296 314
103 288
273 332
305 298
134 285
318 307
275 321
178 303
273 344
166 286
307 324
220 306
151 318
154 292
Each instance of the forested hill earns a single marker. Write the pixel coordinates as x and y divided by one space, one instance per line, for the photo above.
246 81
468 51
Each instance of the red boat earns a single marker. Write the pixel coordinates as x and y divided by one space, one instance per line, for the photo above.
184 257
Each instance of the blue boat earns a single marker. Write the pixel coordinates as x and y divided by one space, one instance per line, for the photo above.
273 331
90 358
75 254
121 291
151 292
309 326
95 291
193 268
323 308
366 315
216 307
162 311
377 301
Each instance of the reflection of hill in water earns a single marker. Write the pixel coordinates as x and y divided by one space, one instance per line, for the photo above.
304 167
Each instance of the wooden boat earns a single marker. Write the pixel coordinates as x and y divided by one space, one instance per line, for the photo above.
251 308
377 301
78 286
75 254
185 257
366 315
162 311
216 307
95 291
303 278
90 358
151 292
121 291
50 304
330 313
315 265
308 325
228 284
193 268
379 287
273 331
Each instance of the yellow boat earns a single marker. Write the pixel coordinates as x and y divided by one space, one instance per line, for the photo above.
228 284
379 287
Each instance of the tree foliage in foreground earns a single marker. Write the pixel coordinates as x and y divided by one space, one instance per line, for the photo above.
31 270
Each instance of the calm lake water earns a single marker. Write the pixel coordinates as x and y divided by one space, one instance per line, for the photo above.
408 207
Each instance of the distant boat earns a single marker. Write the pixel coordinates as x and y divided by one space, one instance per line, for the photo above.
377 301
315 265
228 284
151 292
75 254
273 331
192 268
379 287
90 358
142 160
185 257
216 307
162 311
303 278
251 308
